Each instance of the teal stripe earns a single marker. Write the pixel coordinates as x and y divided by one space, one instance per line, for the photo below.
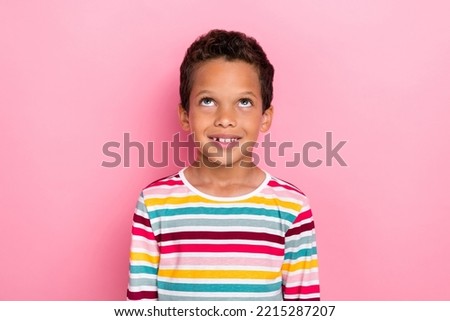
142 269
203 287
222 211
276 226
300 254
173 297
142 282
294 243
140 205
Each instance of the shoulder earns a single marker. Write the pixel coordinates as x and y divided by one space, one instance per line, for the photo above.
281 184
286 190
166 182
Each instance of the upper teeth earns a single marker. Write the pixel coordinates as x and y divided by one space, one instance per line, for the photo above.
225 140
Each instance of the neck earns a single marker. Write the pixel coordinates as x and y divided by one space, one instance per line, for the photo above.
224 174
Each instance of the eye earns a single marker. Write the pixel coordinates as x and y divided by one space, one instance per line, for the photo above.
245 102
206 101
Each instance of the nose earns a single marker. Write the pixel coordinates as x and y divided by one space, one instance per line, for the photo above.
225 117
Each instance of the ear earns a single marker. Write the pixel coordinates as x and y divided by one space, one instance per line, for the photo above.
184 118
266 120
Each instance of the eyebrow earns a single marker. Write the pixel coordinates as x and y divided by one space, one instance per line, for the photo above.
207 92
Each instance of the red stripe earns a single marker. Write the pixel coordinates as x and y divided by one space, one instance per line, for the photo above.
141 220
303 216
311 289
162 182
273 183
309 299
300 229
221 248
141 232
149 295
205 235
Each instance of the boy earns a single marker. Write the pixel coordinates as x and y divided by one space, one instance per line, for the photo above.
222 228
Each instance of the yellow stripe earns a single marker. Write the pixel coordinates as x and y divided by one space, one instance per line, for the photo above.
218 274
302 265
198 199
144 257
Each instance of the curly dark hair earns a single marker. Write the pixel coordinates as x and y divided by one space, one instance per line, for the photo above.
231 45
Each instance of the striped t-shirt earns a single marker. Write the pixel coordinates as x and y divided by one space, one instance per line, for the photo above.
187 245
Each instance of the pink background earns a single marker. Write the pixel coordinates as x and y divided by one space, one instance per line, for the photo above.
77 74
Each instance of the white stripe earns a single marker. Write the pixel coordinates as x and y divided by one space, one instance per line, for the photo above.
228 217
228 241
236 255
205 267
178 192
295 237
140 250
142 288
303 283
139 276
212 281
300 272
142 239
221 229
302 259
220 294
142 226
302 296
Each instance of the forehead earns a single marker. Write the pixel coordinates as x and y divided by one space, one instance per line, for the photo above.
221 74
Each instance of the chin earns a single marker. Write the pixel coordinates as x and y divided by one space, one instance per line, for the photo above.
220 162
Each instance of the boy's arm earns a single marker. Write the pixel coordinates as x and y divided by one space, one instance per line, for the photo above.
144 257
300 268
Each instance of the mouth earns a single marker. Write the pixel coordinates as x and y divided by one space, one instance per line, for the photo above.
224 139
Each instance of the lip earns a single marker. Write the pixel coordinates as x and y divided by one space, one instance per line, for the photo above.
224 136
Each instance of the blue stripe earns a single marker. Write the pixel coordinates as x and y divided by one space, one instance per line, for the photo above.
254 222
249 297
203 287
301 253
294 243
222 211
142 269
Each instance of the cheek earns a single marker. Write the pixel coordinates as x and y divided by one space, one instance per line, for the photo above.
197 122
254 121
253 126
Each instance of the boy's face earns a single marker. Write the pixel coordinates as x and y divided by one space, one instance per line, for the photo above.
225 113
